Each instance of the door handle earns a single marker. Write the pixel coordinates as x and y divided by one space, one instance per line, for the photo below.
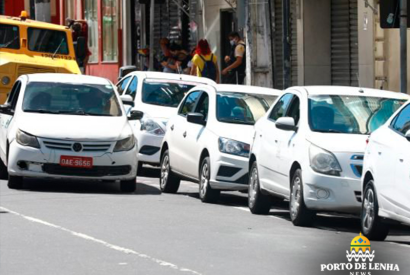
172 127
380 153
401 160
276 141
184 134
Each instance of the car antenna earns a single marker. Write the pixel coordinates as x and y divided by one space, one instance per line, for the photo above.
360 86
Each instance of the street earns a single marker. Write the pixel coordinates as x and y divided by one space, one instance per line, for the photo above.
54 227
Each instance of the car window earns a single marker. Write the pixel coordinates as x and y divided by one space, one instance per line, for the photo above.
9 36
294 109
123 84
280 107
167 93
14 94
132 88
402 122
189 103
203 105
47 41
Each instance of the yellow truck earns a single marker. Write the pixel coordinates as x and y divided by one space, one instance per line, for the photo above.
29 46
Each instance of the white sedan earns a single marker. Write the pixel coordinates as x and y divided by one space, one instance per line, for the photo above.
309 149
386 176
208 141
157 95
66 126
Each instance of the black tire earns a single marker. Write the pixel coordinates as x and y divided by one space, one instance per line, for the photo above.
15 182
206 193
258 203
371 224
3 171
128 186
168 181
300 215
139 169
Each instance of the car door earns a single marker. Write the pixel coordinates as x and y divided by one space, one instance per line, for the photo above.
268 134
122 85
194 133
177 128
132 91
6 119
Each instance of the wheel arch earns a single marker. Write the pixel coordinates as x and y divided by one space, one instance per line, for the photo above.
367 177
252 159
163 149
204 154
295 166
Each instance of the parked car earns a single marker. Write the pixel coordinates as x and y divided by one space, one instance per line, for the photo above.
66 126
309 148
157 95
208 141
385 181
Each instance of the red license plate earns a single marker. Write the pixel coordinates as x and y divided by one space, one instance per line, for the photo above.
82 162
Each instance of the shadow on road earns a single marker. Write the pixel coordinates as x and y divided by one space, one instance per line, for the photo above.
149 172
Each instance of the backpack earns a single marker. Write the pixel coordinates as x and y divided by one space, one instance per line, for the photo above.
209 70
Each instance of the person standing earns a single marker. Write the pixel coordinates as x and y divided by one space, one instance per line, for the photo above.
236 71
204 62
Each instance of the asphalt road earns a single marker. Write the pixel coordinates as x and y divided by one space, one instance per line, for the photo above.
54 227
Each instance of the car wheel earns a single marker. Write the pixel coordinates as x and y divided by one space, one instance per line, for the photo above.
300 215
168 181
3 171
206 193
128 186
258 203
139 169
15 182
372 226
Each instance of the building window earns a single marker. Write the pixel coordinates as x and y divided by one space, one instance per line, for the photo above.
91 16
110 30
69 9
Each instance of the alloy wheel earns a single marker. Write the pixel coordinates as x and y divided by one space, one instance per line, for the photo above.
369 213
295 197
204 179
164 171
253 187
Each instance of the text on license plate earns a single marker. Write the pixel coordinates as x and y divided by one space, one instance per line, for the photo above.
70 161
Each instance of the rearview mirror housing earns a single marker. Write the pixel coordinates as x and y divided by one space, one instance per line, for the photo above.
407 135
286 124
196 118
6 109
127 100
135 115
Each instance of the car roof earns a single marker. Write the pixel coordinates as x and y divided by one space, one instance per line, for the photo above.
246 89
31 23
352 91
172 76
68 78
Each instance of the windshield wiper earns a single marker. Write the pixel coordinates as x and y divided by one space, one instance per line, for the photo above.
41 111
61 43
236 121
97 114
329 131
9 43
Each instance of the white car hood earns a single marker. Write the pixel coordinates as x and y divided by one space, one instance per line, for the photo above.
239 132
74 127
342 143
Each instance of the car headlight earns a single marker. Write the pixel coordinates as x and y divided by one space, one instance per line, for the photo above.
233 147
125 144
25 139
151 127
323 161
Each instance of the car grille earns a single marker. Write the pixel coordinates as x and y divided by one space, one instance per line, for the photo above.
96 171
33 70
357 165
68 146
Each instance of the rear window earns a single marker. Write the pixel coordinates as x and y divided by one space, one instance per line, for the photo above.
9 36
47 41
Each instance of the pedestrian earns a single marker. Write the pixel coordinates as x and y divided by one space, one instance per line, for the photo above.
204 62
236 71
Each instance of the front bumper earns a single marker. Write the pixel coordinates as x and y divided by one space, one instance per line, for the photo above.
149 148
44 163
330 193
229 172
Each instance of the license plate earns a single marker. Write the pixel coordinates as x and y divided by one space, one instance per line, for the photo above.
81 162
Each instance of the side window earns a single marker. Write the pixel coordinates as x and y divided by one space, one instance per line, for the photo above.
203 105
189 103
14 94
279 110
123 84
132 89
402 122
294 109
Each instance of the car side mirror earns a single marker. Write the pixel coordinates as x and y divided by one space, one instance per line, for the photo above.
286 123
135 115
407 135
196 118
127 100
6 109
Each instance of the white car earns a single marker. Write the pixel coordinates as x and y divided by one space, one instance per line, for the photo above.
386 176
66 126
208 141
157 95
309 148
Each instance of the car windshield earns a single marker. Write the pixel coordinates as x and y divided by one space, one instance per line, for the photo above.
350 114
47 41
241 108
72 99
164 93
9 37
